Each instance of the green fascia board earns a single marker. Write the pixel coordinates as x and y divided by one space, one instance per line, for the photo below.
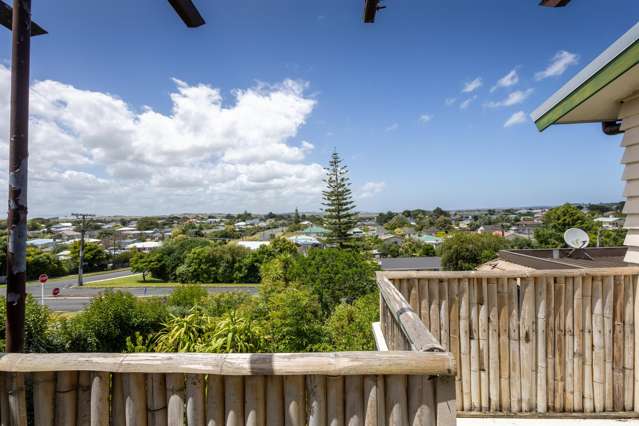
615 68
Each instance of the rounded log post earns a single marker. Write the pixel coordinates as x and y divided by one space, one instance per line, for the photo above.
482 302
354 389
421 400
560 341
474 346
540 311
83 418
526 342
589 406
413 294
515 369
335 400
464 344
453 296
493 344
433 295
371 401
316 391
396 407
294 401
175 399
618 344
446 406
578 359
156 399
134 399
274 400
214 400
195 400
17 399
43 398
608 306
66 390
504 343
444 315
598 358
569 396
234 400
100 399
118 416
550 343
629 341
254 409
424 302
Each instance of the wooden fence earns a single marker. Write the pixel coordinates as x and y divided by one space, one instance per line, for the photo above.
541 341
346 388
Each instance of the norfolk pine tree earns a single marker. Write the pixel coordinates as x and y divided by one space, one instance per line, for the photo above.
339 214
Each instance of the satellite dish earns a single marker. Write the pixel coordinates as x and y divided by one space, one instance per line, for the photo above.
576 238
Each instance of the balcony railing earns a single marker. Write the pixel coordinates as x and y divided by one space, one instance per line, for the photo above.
541 341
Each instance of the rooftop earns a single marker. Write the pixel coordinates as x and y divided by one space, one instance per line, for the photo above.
604 257
424 263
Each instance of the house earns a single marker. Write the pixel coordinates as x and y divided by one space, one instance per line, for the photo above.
610 222
315 231
429 239
606 91
145 246
563 258
392 239
42 243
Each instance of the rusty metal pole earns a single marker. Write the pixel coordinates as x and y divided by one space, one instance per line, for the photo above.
18 169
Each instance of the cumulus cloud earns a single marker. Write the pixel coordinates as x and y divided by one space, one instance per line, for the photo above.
471 86
513 98
508 80
517 118
466 103
93 151
450 101
425 118
391 127
558 65
370 189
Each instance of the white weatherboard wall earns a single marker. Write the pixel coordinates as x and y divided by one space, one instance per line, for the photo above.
629 115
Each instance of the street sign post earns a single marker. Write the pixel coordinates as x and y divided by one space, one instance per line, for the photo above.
55 291
43 278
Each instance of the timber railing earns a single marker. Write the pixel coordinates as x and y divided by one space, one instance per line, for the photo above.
542 341
139 389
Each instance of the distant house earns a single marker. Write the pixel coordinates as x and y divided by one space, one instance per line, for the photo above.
610 222
357 232
145 246
491 229
69 234
423 263
42 243
392 239
315 231
253 245
429 239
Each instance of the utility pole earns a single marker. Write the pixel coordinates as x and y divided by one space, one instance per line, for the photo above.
19 20
83 222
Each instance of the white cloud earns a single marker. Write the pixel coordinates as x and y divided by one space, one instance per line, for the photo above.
425 118
560 62
513 98
508 80
465 104
391 127
471 86
92 151
370 189
517 118
450 101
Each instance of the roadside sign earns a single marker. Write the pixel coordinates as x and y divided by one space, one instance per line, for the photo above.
55 291
43 278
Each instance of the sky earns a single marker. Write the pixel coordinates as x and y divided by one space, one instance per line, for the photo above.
132 113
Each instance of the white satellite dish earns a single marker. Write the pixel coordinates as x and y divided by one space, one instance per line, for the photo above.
576 238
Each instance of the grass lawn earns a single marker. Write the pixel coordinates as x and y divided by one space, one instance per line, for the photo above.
75 276
136 281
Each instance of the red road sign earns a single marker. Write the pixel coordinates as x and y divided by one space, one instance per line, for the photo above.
43 278
55 291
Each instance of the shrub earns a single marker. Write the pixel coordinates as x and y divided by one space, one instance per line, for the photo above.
187 296
465 251
40 262
216 264
171 255
37 332
349 328
219 304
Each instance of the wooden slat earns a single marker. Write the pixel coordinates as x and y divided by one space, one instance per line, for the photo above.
578 359
540 311
118 416
569 396
453 294
464 343
396 406
275 400
598 356
526 344
429 404
417 412
433 295
515 368
474 347
17 399
504 344
560 355
493 345
446 410
618 344
608 304
354 390
175 388
334 401
589 406
156 399
83 405
424 302
66 391
195 411
135 399
294 401
371 402
550 343
482 301
413 294
629 342
43 398
100 399
444 318
316 391
214 400
234 400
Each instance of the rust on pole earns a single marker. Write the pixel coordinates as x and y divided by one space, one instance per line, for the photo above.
18 170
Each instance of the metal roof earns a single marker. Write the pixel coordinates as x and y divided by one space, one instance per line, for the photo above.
424 263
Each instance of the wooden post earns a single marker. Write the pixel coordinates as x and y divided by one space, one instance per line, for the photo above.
396 407
4 400
294 401
316 391
444 318
504 343
493 345
335 401
589 406
540 310
83 417
453 294
118 416
424 302
550 343
134 399
560 342
214 400
175 399
482 301
629 342
433 295
598 358
66 390
464 343
418 412
618 344
43 398
474 347
578 359
569 396
445 396
526 343
254 401
608 304
100 399
156 399
17 399
195 415
354 389
515 368
371 401
234 400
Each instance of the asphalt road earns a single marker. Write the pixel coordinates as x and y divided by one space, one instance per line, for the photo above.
72 299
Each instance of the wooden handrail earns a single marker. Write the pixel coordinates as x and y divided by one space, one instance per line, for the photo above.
590 272
331 364
415 331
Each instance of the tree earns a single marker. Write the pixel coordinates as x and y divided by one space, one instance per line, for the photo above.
147 224
399 221
95 257
144 263
556 221
296 217
465 251
340 216
349 327
40 262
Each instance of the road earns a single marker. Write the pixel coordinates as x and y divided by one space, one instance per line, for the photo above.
72 299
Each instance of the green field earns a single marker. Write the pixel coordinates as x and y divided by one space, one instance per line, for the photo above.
136 281
75 276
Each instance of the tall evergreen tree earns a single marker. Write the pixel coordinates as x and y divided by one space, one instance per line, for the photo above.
340 216
296 217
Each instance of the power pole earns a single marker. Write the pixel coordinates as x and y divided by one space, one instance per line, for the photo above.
83 222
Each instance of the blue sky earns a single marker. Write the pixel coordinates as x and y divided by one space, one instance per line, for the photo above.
312 79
